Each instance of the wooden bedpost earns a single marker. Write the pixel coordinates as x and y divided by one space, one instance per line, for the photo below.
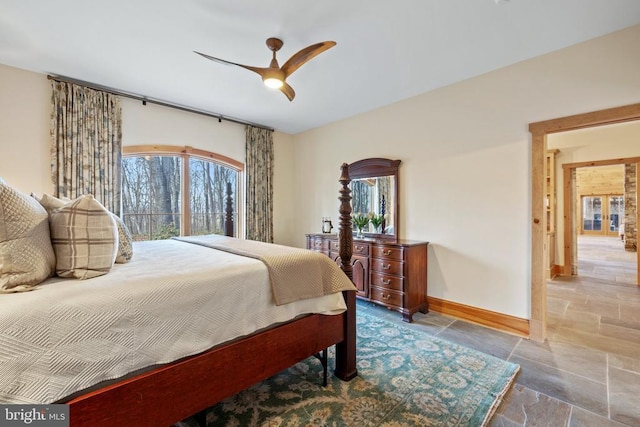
228 214
346 350
345 235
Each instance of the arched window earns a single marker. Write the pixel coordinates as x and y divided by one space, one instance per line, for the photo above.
170 191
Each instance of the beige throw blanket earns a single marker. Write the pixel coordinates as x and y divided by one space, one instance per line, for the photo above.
295 274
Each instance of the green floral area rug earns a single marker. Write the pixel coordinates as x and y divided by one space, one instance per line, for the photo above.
406 377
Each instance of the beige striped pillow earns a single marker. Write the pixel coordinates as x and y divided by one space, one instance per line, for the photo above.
84 237
125 241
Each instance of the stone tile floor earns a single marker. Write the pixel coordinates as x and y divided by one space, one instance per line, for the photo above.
588 371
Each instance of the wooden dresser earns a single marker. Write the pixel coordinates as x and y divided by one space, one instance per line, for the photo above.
389 272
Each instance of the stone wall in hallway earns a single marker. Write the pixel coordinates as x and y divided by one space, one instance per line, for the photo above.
630 205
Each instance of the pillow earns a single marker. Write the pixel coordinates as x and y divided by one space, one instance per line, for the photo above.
26 255
84 238
50 203
125 241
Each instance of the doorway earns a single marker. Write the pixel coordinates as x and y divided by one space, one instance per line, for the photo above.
587 213
539 251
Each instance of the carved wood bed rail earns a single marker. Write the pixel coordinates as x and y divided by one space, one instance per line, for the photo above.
170 393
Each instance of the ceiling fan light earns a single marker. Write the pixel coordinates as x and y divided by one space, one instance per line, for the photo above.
273 82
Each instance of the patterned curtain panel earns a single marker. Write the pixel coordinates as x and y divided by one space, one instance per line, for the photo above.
86 143
259 177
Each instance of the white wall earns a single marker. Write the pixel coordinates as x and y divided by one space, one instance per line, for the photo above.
465 172
600 143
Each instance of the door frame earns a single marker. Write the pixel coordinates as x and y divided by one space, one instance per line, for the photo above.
539 132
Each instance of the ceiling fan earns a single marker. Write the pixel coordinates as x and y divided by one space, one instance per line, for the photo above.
275 76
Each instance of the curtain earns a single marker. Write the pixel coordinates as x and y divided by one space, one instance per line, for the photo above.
259 178
86 143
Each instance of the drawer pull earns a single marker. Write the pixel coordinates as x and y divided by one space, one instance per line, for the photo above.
386 267
387 252
358 248
386 281
386 297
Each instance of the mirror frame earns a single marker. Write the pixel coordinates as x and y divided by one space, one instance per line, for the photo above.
374 168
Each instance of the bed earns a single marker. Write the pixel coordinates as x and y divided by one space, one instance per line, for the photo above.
174 380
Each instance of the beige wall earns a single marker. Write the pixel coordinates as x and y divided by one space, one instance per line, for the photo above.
25 109
466 154
465 151
154 124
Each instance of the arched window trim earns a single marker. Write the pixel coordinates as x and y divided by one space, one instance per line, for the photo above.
187 152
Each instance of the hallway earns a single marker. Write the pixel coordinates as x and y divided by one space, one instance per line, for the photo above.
588 371
605 258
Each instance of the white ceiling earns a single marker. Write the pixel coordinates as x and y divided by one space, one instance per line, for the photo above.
386 50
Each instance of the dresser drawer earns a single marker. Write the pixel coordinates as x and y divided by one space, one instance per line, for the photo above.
360 249
387 252
318 244
386 297
387 282
386 266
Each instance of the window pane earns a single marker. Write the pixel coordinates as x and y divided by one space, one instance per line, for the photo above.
135 185
592 213
616 212
208 195
136 196
151 196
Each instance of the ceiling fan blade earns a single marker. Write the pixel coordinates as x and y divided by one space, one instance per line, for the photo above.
288 91
305 55
258 70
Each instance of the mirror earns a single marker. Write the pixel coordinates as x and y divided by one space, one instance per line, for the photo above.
374 191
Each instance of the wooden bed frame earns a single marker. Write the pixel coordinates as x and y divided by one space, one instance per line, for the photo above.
173 392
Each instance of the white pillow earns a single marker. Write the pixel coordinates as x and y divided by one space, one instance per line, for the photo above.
26 255
84 237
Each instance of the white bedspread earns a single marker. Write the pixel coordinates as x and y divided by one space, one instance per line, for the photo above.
174 299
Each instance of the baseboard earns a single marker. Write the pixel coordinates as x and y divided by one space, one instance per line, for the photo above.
492 319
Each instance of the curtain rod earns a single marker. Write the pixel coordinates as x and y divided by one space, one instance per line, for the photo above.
145 99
